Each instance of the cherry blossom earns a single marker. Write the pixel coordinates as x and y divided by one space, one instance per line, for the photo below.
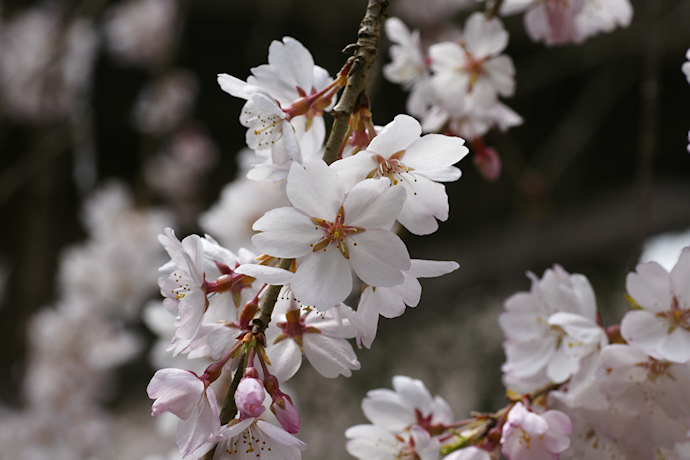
253 438
531 436
417 163
370 442
558 22
686 66
335 233
550 330
474 65
321 337
469 453
187 396
285 101
182 285
661 327
390 302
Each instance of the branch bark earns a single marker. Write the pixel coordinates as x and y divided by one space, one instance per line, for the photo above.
365 53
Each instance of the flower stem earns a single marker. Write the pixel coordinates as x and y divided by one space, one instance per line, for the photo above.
365 53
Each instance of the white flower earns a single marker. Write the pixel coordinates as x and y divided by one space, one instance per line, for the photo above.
278 112
407 67
322 337
474 66
182 284
335 233
390 302
252 439
188 397
417 163
661 327
530 436
550 330
370 442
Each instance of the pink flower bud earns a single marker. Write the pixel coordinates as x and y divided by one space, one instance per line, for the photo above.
249 398
286 413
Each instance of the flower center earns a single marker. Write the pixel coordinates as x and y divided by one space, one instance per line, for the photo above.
335 232
392 168
676 316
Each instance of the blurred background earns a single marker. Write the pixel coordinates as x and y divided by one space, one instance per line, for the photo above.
112 126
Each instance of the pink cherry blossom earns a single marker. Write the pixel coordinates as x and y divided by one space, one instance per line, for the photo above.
531 436
549 330
187 396
661 327
335 233
249 398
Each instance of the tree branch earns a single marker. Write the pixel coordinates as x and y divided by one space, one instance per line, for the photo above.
365 53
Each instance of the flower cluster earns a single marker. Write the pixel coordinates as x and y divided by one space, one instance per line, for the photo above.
455 87
328 235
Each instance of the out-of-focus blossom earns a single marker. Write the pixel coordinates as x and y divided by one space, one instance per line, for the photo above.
165 102
141 32
45 67
558 22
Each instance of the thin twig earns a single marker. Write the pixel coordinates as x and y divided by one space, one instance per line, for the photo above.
365 53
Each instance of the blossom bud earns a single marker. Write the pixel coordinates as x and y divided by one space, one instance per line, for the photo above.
249 398
286 413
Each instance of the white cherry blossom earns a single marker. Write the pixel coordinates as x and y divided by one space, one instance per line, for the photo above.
321 337
390 302
661 327
474 65
549 330
253 438
335 233
417 163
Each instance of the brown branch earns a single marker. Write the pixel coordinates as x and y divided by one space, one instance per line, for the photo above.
365 53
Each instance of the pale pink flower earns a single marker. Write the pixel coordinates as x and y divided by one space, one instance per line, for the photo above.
370 442
474 65
249 398
188 397
549 330
530 436
661 327
417 163
686 65
335 233
558 22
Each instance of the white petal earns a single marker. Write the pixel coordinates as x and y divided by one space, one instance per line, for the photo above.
434 154
378 256
285 357
649 286
373 204
269 275
431 268
323 279
285 232
315 189
395 136
330 356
